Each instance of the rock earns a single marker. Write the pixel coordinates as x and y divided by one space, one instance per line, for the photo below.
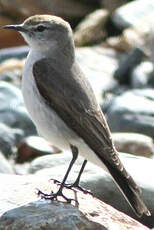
7 140
12 109
11 71
132 111
134 143
33 146
99 182
14 53
5 166
133 13
98 64
90 213
132 37
91 30
142 75
123 73
50 161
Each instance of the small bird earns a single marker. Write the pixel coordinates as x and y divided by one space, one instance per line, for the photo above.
63 106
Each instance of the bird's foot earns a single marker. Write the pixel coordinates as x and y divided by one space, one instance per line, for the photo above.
73 186
54 196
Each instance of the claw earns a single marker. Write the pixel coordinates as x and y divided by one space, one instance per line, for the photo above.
73 186
53 196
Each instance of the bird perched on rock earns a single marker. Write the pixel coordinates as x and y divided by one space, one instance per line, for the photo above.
63 106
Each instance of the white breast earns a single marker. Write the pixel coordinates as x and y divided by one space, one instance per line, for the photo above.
46 120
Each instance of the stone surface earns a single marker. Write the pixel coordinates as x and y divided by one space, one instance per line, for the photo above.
91 29
90 213
5 166
50 161
142 75
7 140
127 64
98 64
13 53
32 147
132 111
133 13
134 143
12 109
11 71
100 182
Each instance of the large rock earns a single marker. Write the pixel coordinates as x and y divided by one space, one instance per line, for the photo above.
12 109
91 29
133 13
132 111
98 64
89 213
100 182
32 147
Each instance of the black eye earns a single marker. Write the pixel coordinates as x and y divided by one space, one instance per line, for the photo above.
40 28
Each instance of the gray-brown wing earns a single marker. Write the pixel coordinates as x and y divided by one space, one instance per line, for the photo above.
69 93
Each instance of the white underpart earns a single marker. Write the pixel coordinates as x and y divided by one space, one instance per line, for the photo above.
48 123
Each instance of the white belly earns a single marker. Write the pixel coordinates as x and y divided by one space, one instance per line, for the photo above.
47 122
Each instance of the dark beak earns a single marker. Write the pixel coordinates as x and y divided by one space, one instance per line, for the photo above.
19 28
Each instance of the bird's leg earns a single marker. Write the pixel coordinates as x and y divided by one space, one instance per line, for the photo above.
53 196
77 181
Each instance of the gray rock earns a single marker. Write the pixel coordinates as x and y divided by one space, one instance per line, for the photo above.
5 166
141 75
90 213
12 109
126 66
7 140
101 183
50 161
132 13
132 111
98 64
15 52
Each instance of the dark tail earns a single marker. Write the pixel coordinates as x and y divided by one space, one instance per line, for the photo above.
130 190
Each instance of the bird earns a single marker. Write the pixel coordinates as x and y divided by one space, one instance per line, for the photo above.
63 106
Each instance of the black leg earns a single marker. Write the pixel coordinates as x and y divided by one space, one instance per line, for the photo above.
77 181
53 196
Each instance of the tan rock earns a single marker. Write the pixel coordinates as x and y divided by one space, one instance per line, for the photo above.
92 29
11 65
134 143
135 36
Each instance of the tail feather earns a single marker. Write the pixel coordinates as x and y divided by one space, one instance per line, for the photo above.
130 190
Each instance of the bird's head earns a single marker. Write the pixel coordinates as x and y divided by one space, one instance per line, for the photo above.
44 31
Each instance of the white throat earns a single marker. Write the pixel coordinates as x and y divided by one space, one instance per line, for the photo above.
40 46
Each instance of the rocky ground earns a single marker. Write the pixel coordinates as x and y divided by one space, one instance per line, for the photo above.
114 47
